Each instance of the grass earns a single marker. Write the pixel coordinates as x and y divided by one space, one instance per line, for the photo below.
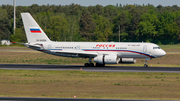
66 84
171 48
34 57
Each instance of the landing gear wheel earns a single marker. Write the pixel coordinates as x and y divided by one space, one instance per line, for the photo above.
86 64
91 64
145 65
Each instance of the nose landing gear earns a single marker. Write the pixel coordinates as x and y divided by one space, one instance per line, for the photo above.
145 65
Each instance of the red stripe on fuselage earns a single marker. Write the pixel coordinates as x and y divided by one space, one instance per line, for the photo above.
35 31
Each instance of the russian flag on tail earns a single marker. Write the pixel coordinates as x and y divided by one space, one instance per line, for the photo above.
35 30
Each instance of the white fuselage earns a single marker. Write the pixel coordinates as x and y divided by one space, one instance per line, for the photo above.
122 49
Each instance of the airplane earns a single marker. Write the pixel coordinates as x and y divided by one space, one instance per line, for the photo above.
102 52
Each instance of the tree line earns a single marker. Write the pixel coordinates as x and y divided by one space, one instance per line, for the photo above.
136 23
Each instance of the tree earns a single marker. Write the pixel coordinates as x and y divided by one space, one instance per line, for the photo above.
103 28
145 31
19 36
43 19
73 29
5 25
167 28
177 20
59 26
171 32
10 10
74 9
110 11
122 20
135 16
99 30
87 26
147 27
34 8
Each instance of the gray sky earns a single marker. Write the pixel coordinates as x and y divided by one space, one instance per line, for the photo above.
90 2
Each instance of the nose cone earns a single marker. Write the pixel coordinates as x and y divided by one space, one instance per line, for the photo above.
161 53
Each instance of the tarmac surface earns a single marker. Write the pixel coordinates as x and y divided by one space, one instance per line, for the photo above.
93 69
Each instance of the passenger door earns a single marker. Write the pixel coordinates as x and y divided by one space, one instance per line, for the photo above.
144 49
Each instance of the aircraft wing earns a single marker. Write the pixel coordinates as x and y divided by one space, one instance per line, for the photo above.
77 53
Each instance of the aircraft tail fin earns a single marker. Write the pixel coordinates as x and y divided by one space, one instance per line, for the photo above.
34 33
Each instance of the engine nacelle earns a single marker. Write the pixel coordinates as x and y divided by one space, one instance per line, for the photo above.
127 60
107 59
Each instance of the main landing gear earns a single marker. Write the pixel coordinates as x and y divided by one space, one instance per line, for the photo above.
90 64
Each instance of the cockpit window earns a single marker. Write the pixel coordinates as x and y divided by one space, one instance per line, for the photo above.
156 48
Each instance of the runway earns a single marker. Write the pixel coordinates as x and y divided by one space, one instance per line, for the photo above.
93 69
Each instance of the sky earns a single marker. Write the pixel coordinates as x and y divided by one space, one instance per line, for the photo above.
91 2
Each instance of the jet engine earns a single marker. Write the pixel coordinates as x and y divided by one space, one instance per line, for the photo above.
107 59
127 60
